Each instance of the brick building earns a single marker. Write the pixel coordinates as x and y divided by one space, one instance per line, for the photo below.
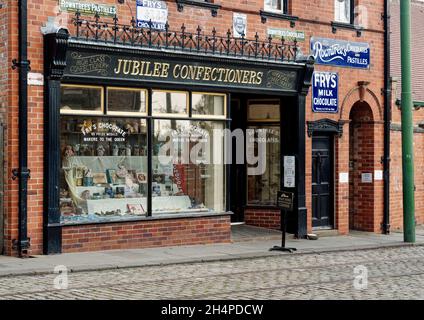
105 91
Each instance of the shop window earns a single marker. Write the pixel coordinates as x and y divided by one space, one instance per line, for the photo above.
263 127
188 167
81 99
104 175
343 11
278 6
104 168
124 101
209 105
170 103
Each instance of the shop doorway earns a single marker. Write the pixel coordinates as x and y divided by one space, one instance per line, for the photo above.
322 182
253 196
361 168
1 188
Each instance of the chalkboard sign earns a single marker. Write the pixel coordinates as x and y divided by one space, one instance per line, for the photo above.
285 200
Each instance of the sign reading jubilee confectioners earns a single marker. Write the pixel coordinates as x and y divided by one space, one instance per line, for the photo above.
325 92
178 71
341 53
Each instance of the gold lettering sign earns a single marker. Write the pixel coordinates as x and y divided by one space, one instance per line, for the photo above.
187 72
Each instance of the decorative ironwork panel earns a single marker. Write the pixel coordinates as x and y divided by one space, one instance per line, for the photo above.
113 32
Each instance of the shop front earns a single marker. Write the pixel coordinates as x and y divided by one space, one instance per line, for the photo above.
153 138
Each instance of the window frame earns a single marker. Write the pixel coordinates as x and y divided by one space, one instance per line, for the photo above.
284 10
82 112
171 115
351 14
267 121
126 113
209 117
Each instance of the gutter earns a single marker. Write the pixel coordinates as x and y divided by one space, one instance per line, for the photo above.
387 118
22 244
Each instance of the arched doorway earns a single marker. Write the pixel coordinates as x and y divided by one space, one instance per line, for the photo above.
361 167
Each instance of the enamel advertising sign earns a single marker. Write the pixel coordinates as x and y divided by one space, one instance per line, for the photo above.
341 53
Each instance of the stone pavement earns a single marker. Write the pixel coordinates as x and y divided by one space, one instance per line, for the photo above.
239 249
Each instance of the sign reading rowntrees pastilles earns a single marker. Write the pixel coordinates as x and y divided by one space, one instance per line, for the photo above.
86 8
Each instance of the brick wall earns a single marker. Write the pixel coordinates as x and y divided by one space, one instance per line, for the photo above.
264 218
147 234
315 17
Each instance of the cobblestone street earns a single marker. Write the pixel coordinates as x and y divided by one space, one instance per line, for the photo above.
393 273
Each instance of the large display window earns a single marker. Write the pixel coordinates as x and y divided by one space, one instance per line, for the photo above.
105 168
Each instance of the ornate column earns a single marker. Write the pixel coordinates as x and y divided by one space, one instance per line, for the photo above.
55 47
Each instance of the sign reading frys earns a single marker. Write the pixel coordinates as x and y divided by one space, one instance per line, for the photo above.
325 92
341 53
288 35
152 14
86 8
180 71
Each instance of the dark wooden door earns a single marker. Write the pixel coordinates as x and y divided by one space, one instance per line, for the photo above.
322 182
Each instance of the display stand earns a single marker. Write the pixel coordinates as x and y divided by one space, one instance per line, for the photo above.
283 230
285 202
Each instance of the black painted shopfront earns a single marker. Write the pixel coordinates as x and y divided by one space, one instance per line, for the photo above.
112 99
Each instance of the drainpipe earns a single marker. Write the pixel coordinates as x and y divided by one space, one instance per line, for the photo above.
22 173
387 118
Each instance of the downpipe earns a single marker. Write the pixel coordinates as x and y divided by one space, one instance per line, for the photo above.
387 118
22 244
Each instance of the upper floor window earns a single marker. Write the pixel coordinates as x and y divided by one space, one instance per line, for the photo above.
279 6
343 11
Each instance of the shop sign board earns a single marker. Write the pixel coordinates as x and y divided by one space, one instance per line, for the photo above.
152 13
285 200
287 34
325 92
162 69
341 53
87 8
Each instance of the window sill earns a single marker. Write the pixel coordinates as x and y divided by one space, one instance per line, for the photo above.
341 25
169 216
207 5
265 15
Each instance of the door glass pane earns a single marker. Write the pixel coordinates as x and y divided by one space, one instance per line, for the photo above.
167 102
126 100
208 104
103 173
81 99
188 167
262 189
264 111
